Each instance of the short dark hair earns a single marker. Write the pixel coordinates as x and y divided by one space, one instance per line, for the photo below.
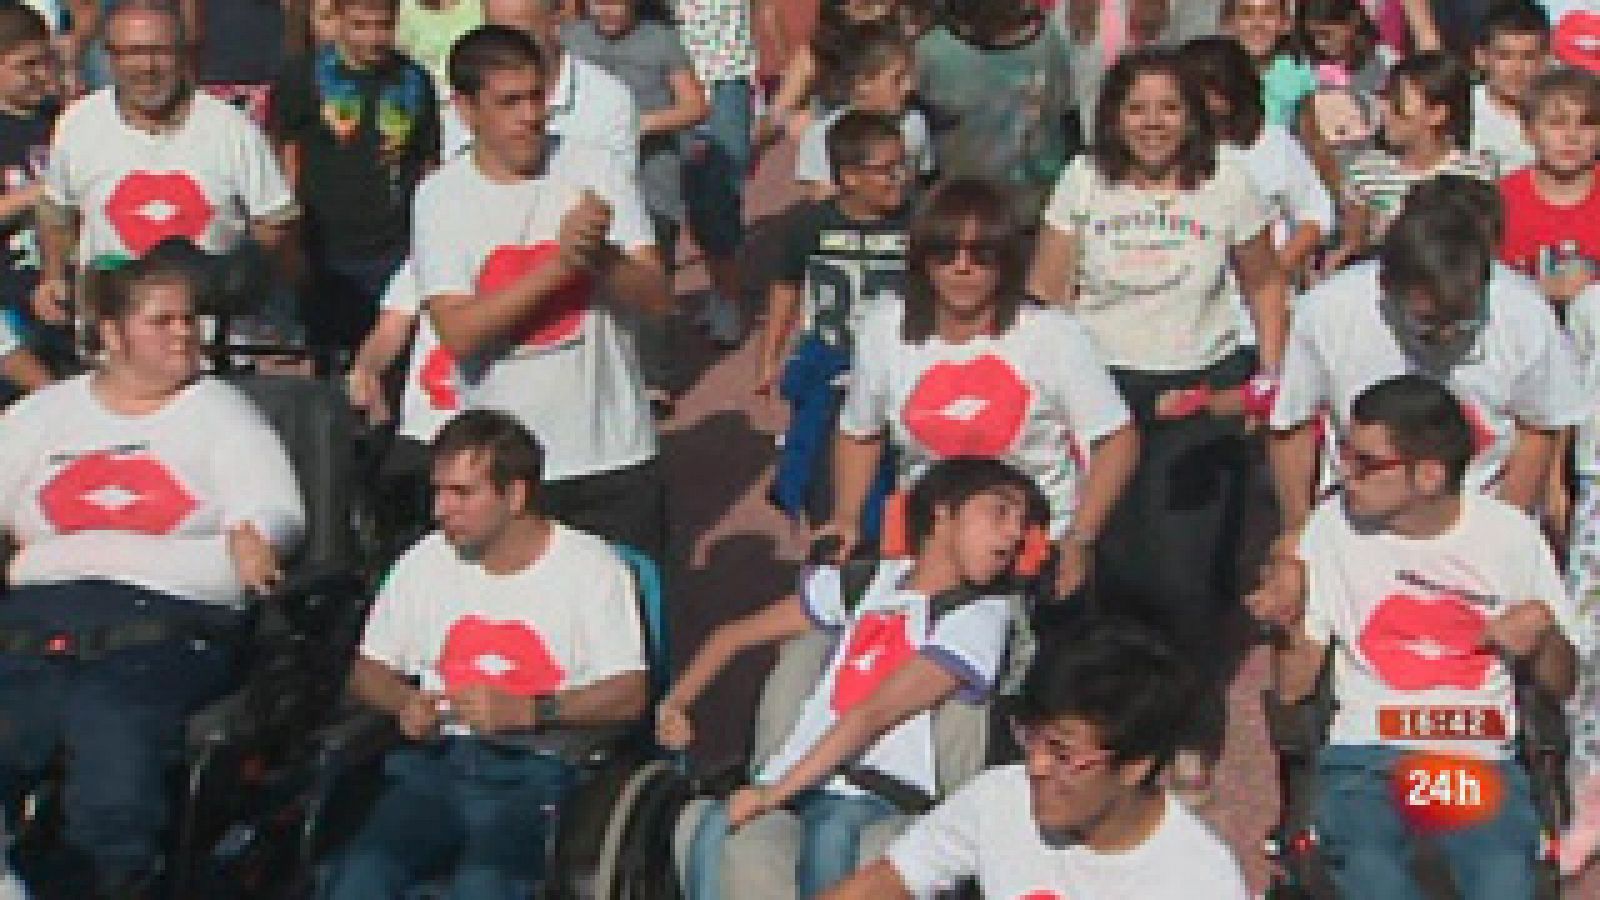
1221 64
110 284
1474 197
1435 247
993 209
514 453
1443 81
1425 421
1579 85
950 483
21 25
1197 153
490 48
852 136
392 6
1513 17
1307 12
876 46
1123 679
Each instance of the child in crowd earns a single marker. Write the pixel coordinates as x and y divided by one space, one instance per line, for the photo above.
922 631
1340 118
1262 28
1427 125
27 113
1552 208
845 256
879 79
648 56
1513 50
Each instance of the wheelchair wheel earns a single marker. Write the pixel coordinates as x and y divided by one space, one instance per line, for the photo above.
598 829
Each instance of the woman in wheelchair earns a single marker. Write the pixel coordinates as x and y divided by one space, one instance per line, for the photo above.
146 503
1432 595
923 630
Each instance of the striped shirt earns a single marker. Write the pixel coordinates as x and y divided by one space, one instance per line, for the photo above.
1379 182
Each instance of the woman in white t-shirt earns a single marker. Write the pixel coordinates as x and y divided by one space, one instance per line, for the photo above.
145 502
1138 241
969 368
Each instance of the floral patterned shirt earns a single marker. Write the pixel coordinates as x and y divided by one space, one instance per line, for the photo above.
717 35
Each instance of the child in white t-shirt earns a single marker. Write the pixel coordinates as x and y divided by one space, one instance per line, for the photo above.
1513 50
1583 583
1084 815
1430 593
923 631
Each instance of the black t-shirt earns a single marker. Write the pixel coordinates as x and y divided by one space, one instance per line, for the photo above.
356 184
243 41
24 148
844 266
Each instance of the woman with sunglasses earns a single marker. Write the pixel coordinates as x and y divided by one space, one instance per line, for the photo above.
967 367
1138 240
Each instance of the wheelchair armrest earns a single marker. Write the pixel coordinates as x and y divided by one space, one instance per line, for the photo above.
359 735
1297 730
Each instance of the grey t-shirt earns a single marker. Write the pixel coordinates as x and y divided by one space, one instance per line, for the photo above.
644 60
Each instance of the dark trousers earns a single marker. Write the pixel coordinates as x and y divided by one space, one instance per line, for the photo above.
342 305
119 718
1168 553
624 506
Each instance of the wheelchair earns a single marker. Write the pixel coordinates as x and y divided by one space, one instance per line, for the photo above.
240 750
1298 731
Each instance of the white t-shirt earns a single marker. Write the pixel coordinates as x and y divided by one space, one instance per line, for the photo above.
1583 323
1037 397
143 500
609 118
566 621
206 181
813 165
1152 273
1522 368
1409 616
987 831
573 378
888 629
432 392
1498 134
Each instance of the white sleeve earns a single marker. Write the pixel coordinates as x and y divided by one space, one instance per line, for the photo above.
1583 324
390 633
1248 212
1307 197
1321 573
1548 391
258 481
1069 201
610 638
865 410
18 435
9 341
811 157
1544 584
969 644
1303 384
940 850
616 184
401 294
1082 384
444 264
821 595
919 147
262 188
57 178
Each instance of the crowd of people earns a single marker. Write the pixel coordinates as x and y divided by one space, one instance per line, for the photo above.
1067 286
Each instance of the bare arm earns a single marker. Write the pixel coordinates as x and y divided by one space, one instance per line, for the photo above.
1054 277
1111 463
778 622
278 237
1296 663
1293 457
1555 665
783 310
20 202
620 698
1528 467
58 232
1420 22
1263 283
23 369
1295 254
380 687
386 340
877 881
855 460
688 107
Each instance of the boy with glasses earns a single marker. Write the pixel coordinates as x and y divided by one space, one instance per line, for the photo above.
1433 302
1083 815
1432 593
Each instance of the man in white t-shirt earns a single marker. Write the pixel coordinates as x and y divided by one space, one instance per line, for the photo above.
1433 302
151 158
1432 594
492 641
1084 816
533 253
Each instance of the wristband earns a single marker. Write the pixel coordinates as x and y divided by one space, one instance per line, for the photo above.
546 712
1187 402
1260 393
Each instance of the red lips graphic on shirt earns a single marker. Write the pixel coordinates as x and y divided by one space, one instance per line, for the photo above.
878 646
1576 40
1042 895
1483 436
968 409
560 317
437 378
1417 643
101 492
146 208
507 656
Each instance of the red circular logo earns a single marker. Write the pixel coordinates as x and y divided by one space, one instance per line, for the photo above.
146 208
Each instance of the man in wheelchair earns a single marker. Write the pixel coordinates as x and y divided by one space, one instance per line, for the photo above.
920 631
491 642
1432 595
1084 815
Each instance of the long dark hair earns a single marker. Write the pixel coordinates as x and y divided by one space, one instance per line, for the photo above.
1442 82
1197 153
987 23
1308 11
1220 64
993 211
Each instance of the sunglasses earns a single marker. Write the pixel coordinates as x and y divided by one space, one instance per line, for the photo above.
1032 738
983 252
1357 465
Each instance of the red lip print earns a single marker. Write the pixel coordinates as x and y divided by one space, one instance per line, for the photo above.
507 656
146 208
1576 40
878 646
1042 895
1417 643
968 409
561 316
101 492
1483 436
437 378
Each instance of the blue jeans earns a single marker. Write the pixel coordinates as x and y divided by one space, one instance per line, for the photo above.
830 842
1368 844
481 812
716 170
120 718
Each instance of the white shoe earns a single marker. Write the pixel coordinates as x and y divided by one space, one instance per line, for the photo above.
722 321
